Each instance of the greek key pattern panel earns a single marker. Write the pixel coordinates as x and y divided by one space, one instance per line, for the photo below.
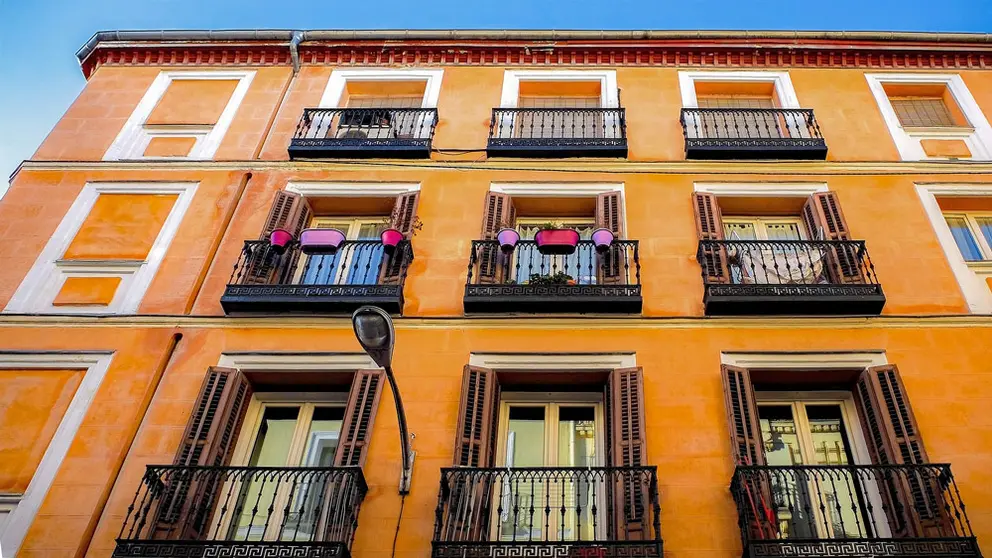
785 143
604 291
936 548
547 550
306 291
351 142
794 290
227 549
558 143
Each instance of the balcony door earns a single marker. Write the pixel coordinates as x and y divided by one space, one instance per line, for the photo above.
775 259
815 503
530 266
355 263
564 117
283 432
550 505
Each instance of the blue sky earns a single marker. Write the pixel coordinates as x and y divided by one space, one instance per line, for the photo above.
39 75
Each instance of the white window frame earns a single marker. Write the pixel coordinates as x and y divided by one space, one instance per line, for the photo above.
970 219
609 94
784 92
339 80
760 224
978 137
94 366
971 276
43 282
135 136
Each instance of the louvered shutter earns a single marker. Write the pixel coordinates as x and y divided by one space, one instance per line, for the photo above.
742 412
913 501
359 414
824 220
403 217
188 496
609 215
475 439
289 212
624 398
497 214
709 226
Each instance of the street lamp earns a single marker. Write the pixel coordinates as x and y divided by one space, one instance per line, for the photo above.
374 330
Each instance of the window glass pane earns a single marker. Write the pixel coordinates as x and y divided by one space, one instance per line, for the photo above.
739 231
791 500
525 437
964 239
577 437
576 448
836 487
303 515
521 502
782 231
922 112
985 225
271 450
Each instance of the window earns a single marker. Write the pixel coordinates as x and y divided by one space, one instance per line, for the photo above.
580 266
772 261
972 233
922 112
354 263
763 228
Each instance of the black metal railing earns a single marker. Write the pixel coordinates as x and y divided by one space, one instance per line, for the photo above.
751 132
302 511
525 279
558 132
343 131
553 506
883 506
360 270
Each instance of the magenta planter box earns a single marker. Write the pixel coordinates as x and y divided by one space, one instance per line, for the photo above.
321 241
279 239
390 238
603 238
508 239
556 241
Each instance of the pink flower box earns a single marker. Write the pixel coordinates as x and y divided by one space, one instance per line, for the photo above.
557 241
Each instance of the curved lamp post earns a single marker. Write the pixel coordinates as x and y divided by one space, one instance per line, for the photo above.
374 330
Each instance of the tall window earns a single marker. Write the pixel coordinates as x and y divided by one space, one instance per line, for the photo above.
973 234
922 112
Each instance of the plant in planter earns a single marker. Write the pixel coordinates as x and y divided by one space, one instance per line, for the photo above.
391 236
557 278
555 239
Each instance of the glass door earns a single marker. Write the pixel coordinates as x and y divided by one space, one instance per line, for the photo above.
544 505
355 263
531 266
775 260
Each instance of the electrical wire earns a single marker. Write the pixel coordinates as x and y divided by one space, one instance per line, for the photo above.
399 518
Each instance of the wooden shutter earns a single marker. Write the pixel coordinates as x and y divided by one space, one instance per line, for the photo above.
359 414
212 429
824 220
742 412
289 212
609 215
624 398
709 226
914 501
497 214
475 436
403 217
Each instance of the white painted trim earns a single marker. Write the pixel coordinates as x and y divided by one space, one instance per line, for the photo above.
761 189
43 282
555 189
783 85
134 137
979 139
609 96
819 360
351 189
576 361
95 366
297 361
973 286
339 79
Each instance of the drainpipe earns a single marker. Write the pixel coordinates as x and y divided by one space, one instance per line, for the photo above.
294 50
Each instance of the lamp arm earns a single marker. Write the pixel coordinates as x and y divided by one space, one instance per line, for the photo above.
404 435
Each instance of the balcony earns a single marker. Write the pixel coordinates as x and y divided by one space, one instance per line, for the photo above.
361 272
757 277
243 511
558 132
526 280
751 133
568 512
362 133
852 511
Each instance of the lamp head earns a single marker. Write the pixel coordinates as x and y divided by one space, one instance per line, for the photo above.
374 330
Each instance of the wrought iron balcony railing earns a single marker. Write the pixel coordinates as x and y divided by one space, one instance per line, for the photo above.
851 510
367 132
789 277
360 272
751 133
593 512
243 511
558 132
526 280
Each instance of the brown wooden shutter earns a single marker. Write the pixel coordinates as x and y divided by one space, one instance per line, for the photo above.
497 214
211 431
914 500
609 215
709 226
624 398
478 414
403 217
289 212
359 414
824 220
742 412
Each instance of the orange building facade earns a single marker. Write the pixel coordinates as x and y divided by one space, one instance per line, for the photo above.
693 294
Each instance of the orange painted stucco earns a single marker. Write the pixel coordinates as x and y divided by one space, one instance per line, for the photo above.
120 226
87 291
956 149
169 146
192 102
